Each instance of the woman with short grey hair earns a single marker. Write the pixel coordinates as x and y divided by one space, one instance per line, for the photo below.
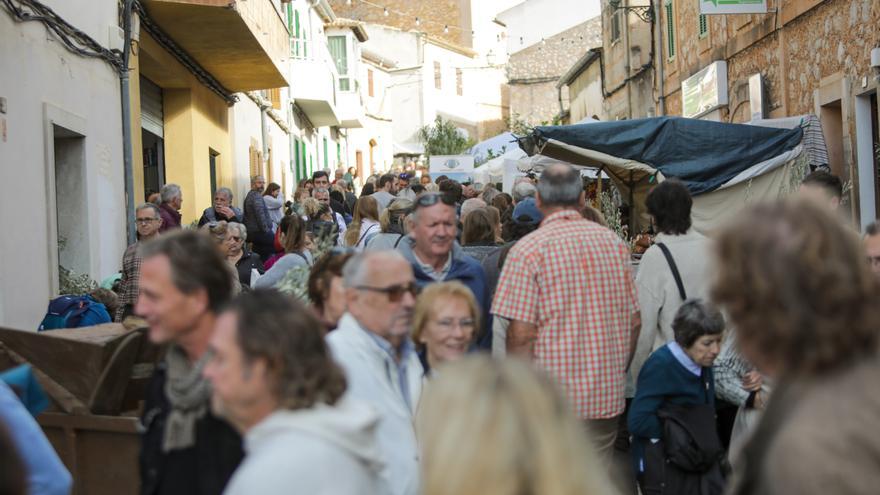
238 255
678 376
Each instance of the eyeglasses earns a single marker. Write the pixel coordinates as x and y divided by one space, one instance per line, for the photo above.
234 238
430 199
145 221
449 324
395 292
873 260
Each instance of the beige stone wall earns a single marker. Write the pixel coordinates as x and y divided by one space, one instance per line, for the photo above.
814 57
534 71
433 14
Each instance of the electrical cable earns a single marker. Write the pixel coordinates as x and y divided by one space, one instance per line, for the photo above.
73 39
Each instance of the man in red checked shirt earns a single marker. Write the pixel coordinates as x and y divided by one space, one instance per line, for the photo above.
568 291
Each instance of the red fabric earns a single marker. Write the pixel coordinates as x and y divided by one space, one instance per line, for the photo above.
572 279
278 247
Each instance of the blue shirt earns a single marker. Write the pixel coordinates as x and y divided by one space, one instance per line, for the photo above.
406 349
685 360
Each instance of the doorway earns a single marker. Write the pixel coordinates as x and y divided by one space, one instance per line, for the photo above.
71 209
867 150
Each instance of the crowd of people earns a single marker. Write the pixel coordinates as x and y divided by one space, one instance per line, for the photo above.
455 339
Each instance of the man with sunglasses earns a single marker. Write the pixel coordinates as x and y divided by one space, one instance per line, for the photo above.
435 256
372 344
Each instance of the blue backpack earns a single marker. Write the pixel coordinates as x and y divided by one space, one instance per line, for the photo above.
74 312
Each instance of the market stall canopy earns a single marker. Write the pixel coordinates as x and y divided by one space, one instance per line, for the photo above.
497 145
704 155
723 165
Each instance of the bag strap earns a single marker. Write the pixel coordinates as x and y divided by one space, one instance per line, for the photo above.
674 268
303 257
358 243
398 241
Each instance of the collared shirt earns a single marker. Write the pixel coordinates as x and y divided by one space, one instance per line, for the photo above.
131 268
406 350
572 279
685 360
439 276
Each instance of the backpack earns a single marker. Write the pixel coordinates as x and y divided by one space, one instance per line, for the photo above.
73 312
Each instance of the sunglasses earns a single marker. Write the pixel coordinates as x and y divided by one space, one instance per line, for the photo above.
395 292
235 238
432 198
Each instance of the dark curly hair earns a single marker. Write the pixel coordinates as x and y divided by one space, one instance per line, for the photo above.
794 282
670 204
280 330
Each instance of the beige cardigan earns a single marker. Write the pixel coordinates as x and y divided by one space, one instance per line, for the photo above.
824 438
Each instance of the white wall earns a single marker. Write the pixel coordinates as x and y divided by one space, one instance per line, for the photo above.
533 20
40 79
244 119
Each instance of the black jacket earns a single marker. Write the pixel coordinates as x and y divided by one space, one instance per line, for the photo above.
203 469
244 265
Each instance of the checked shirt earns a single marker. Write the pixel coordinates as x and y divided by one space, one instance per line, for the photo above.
572 279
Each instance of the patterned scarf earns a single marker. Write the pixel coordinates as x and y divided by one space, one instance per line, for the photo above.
189 394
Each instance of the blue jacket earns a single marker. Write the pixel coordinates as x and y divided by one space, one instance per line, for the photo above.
464 269
663 379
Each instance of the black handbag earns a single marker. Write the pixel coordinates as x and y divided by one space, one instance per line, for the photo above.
690 458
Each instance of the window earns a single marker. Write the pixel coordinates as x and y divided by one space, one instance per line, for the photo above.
338 153
459 82
438 78
370 82
339 52
274 96
326 155
704 26
670 30
615 24
212 168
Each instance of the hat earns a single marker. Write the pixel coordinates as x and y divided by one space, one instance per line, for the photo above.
404 176
527 213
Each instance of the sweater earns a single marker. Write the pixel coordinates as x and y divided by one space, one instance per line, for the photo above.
320 450
659 299
279 270
663 379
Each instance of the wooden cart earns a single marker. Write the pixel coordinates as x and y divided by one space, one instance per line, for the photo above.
96 378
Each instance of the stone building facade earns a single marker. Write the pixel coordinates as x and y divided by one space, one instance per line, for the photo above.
813 57
447 20
533 72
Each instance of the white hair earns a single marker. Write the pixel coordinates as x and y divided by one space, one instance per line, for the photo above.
240 228
523 190
357 269
169 192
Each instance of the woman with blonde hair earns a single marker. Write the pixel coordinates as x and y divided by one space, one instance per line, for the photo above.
365 223
512 433
445 322
393 224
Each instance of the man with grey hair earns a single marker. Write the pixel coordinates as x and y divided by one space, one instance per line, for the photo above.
523 189
169 209
148 221
373 345
568 291
871 241
322 195
257 220
222 209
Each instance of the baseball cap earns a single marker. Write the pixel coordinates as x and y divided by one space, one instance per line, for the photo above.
526 213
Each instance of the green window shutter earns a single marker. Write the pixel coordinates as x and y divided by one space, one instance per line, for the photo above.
290 17
298 171
670 31
326 155
704 25
339 52
338 153
302 155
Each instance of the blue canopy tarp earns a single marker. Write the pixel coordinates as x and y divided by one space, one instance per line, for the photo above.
703 154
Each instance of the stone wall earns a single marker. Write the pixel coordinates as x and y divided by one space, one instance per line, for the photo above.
433 14
814 57
534 71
